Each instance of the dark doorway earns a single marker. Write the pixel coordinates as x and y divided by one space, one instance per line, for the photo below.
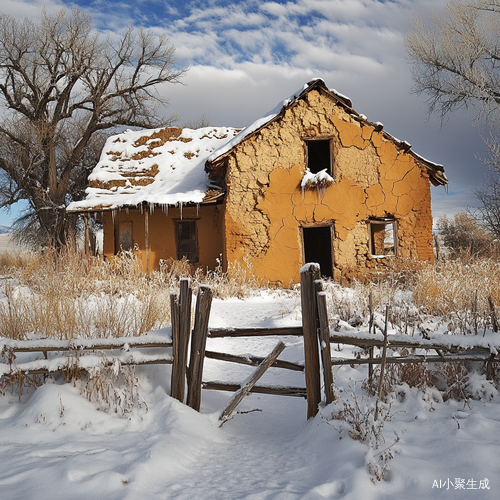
318 248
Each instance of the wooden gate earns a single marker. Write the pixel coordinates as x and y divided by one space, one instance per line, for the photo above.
314 328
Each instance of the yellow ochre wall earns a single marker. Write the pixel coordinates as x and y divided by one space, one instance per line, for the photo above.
265 205
162 234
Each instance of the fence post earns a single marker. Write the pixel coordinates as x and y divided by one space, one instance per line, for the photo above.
382 366
324 341
308 274
174 319
185 299
180 306
370 327
198 344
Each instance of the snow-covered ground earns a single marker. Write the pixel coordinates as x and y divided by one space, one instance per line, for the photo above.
54 444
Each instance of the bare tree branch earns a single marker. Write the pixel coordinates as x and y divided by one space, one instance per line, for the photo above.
62 85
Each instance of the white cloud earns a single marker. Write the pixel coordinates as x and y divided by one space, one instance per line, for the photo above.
20 9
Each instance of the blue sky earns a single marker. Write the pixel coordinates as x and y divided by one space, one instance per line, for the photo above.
246 56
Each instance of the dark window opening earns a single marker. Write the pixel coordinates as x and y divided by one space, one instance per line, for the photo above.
318 248
383 238
187 240
124 240
318 156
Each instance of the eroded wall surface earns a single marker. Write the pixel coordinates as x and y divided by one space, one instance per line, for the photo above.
162 233
373 177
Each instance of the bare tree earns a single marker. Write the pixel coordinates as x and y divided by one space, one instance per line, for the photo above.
456 64
62 86
456 60
489 192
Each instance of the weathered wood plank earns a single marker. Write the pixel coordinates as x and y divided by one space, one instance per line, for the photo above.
257 389
246 389
414 358
42 371
253 360
182 327
255 332
366 342
175 382
324 342
75 346
198 345
309 314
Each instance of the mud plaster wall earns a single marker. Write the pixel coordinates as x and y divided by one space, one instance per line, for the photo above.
162 234
373 178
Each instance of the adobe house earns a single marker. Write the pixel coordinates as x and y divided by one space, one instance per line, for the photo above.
312 181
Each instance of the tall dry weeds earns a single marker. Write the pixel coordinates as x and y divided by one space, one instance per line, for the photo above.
65 294
458 292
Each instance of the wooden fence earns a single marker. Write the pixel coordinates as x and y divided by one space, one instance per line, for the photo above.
187 365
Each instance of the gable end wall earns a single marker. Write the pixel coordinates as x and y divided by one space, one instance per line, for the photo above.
265 205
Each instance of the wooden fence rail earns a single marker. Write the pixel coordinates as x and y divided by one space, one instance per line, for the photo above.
68 354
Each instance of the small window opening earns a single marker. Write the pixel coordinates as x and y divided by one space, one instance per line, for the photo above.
187 240
124 237
318 156
383 237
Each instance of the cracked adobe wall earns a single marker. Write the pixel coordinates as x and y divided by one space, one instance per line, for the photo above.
266 206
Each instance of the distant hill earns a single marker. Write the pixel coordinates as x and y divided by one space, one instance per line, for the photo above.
5 229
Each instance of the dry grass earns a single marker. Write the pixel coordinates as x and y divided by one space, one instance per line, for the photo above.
66 294
357 417
458 292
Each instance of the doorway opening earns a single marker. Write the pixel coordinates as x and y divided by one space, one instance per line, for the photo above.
318 248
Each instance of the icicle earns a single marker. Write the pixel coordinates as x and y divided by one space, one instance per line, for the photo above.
141 208
180 207
126 210
113 214
197 209
151 208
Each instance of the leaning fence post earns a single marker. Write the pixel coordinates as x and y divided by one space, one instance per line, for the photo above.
308 274
324 341
198 344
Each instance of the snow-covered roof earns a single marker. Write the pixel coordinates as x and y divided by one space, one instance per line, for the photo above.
161 166
167 166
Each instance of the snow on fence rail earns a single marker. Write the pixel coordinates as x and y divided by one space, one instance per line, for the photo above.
83 353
